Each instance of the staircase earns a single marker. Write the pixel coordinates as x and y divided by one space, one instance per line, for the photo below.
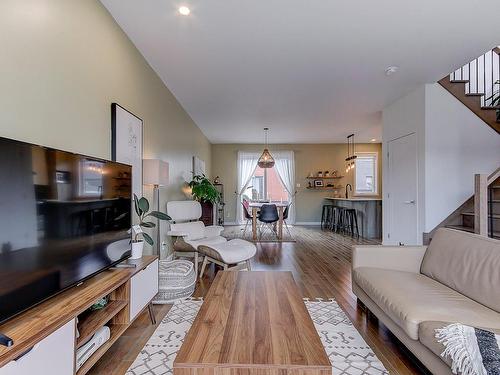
477 86
481 213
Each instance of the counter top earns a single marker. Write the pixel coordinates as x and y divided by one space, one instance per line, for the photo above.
360 199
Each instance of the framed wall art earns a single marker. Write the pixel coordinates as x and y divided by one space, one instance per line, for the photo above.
126 143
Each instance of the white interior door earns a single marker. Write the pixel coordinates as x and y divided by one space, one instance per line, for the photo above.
403 178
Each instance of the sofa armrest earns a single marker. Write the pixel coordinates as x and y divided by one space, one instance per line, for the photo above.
213 231
398 258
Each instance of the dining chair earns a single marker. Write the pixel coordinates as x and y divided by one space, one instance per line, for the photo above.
247 216
268 217
285 218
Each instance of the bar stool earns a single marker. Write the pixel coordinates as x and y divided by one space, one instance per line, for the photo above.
351 221
326 216
338 219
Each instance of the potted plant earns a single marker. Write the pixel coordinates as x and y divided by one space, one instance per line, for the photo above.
495 99
207 194
141 206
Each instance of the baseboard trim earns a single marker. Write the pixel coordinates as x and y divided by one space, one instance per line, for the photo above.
300 223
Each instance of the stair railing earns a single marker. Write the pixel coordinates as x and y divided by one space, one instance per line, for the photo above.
481 76
483 224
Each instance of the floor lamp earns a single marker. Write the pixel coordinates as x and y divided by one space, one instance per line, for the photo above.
155 173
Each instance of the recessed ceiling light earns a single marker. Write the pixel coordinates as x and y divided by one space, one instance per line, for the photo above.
390 70
373 140
184 10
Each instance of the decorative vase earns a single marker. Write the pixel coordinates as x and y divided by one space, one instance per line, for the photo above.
137 248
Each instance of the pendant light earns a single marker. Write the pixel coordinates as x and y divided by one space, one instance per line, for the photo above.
350 159
266 160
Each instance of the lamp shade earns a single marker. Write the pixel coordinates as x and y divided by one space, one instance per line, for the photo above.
155 172
266 160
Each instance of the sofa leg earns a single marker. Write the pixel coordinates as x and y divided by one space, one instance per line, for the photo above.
361 304
249 266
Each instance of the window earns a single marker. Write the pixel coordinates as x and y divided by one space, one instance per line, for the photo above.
365 174
265 184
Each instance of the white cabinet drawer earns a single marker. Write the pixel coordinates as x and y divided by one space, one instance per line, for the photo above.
54 355
143 287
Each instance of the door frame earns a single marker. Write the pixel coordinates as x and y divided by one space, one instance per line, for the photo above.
417 189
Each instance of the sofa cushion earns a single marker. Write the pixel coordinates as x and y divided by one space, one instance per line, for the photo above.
410 298
427 336
467 263
230 252
206 241
194 230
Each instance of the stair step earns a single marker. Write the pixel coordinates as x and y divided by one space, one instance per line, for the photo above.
474 94
471 230
491 108
494 216
459 80
461 227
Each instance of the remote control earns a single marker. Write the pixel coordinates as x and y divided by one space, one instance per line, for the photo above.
5 340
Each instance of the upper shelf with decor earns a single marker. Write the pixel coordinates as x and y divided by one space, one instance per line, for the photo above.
324 178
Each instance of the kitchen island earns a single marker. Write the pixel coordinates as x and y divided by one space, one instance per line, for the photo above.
369 211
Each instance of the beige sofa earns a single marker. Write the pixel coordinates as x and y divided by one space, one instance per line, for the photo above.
414 290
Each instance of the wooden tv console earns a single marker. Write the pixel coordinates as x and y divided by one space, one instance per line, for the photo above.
45 340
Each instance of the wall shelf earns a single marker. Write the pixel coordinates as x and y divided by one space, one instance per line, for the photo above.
324 178
332 188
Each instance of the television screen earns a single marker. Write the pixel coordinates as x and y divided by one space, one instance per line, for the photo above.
63 217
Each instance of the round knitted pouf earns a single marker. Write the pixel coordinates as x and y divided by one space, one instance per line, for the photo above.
176 279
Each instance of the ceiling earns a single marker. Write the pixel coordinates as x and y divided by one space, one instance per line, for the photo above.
310 70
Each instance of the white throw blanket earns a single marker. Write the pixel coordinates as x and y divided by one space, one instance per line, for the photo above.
473 351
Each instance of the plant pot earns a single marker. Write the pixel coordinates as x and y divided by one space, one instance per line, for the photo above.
137 248
207 213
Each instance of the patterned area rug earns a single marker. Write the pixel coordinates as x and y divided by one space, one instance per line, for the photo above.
348 352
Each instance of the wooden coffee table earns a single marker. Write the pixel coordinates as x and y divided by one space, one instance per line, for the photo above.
252 323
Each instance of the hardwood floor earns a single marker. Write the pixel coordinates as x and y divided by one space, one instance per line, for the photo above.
321 265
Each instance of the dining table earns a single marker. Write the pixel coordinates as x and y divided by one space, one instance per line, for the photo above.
255 207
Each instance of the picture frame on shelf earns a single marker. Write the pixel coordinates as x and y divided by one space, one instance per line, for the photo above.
318 183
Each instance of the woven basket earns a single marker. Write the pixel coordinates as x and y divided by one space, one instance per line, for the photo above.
176 280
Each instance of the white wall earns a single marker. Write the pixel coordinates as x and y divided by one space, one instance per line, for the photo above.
453 144
63 63
458 144
403 117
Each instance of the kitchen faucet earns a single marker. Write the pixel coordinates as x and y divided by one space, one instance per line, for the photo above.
346 192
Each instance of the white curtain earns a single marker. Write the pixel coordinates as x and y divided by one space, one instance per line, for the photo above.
247 163
285 166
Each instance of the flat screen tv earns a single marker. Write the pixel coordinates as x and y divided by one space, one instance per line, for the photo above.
64 217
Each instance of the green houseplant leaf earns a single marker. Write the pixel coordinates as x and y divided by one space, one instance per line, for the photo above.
159 215
148 239
141 206
203 190
138 210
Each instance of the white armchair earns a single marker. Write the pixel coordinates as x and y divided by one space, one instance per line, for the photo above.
189 231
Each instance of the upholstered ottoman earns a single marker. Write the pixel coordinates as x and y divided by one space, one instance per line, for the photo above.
176 279
233 253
